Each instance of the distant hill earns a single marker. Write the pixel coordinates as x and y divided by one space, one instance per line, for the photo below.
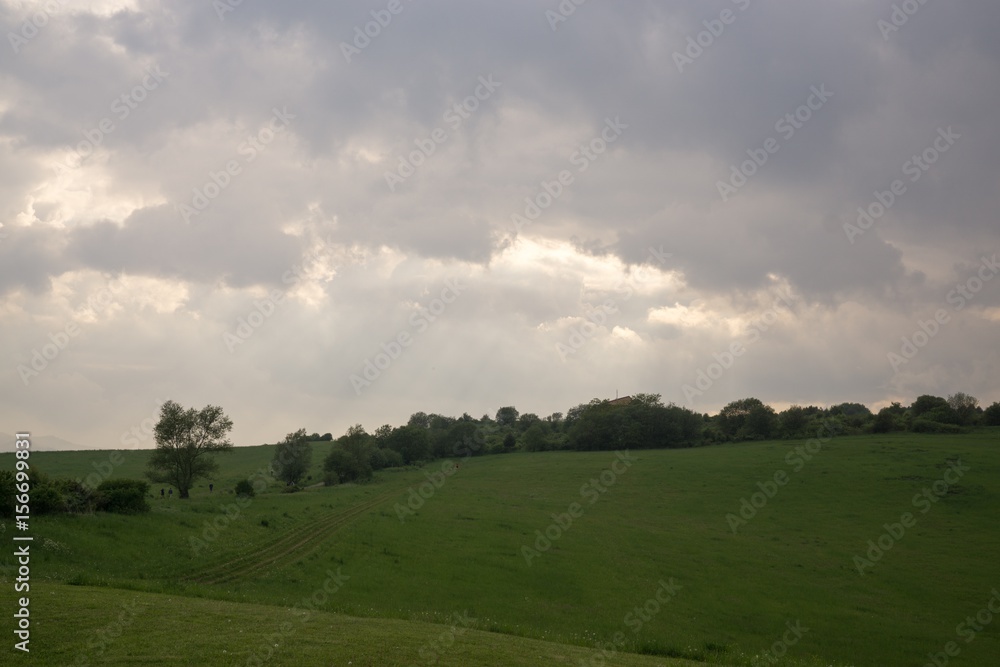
40 443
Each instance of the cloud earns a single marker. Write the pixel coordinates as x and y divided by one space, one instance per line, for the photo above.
218 164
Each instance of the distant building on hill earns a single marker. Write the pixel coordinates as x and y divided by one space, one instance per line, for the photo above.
624 400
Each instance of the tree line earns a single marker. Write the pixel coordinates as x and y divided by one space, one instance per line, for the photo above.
187 439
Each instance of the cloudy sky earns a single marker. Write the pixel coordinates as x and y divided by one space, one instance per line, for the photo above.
316 214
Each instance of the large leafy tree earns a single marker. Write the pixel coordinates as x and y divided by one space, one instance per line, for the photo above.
748 419
991 416
507 416
966 406
185 442
292 457
412 442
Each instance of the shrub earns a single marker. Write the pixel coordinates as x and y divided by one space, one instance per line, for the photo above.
349 468
991 416
928 426
382 457
77 498
244 489
122 496
8 490
46 499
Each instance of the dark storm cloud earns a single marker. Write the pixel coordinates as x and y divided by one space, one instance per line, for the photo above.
104 168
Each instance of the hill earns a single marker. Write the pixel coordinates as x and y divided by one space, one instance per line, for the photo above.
573 547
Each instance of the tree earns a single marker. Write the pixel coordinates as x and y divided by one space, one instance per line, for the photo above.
509 442
244 489
991 416
358 443
420 420
925 403
793 420
412 442
123 496
507 416
185 441
292 457
341 465
536 438
525 421
748 418
966 406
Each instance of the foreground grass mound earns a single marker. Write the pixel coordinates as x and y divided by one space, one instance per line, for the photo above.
79 625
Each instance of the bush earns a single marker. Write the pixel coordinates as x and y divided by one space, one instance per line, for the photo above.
991 416
77 498
244 489
8 490
382 457
331 478
349 468
928 426
122 496
46 499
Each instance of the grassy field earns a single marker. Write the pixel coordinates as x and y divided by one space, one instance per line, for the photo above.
656 523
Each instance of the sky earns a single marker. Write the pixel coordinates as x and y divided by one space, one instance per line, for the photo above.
319 214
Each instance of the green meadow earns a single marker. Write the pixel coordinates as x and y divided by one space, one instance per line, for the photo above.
554 558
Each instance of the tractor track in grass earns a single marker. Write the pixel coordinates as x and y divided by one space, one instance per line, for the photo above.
290 548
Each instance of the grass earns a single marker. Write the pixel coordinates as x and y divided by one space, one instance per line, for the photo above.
662 519
81 625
